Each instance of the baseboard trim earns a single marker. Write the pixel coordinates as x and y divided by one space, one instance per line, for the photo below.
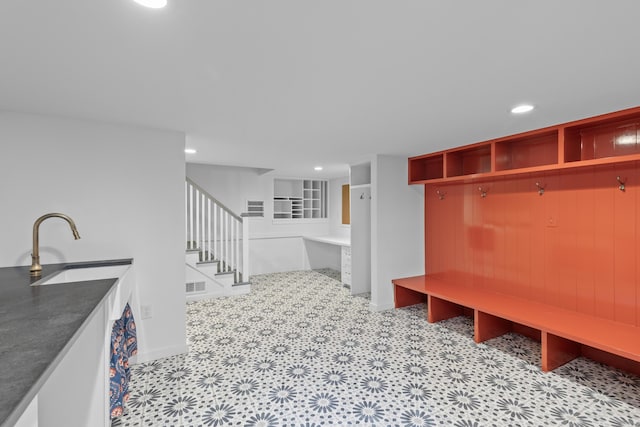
245 288
380 307
159 353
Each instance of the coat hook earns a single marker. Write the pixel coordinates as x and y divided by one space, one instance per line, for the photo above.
440 194
540 188
621 181
362 196
483 192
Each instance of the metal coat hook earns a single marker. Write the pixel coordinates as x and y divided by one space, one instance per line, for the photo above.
483 192
440 194
362 196
621 181
540 188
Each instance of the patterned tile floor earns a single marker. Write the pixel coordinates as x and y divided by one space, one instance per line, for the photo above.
300 351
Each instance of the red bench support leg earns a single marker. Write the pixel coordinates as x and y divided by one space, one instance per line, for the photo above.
556 351
440 309
487 326
404 297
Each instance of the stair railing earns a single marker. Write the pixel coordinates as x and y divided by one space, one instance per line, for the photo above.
217 232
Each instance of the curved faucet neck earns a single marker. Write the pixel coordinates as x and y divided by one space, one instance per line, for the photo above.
36 268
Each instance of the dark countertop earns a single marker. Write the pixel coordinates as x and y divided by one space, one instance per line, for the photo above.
38 324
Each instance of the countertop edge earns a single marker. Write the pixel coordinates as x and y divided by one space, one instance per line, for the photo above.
33 391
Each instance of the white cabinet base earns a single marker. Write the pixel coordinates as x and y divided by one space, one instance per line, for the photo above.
345 270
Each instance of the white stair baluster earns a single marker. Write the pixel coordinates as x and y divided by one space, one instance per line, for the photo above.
237 257
191 217
197 218
215 231
226 240
203 234
222 236
245 249
232 242
209 229
186 213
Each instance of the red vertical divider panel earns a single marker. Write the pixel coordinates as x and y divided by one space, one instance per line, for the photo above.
566 253
513 238
625 235
586 258
536 205
552 256
499 206
474 203
456 201
520 235
604 196
469 237
450 217
432 227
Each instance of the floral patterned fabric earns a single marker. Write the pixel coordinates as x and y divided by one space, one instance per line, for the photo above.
123 345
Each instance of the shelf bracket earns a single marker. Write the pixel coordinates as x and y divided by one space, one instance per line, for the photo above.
621 182
540 188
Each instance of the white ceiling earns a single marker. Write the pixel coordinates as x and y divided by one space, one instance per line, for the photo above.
288 84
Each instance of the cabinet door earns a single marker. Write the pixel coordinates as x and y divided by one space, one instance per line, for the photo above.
360 240
83 374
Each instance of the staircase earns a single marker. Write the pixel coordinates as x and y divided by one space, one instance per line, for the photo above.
217 249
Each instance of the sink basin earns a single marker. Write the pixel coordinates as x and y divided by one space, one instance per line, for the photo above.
82 274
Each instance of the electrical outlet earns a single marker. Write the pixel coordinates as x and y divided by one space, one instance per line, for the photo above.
146 311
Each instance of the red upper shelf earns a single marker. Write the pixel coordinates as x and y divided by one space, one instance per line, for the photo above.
609 138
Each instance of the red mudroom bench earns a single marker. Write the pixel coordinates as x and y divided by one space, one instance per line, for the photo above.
564 334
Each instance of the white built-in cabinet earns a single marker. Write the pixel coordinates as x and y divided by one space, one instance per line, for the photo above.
345 267
76 393
299 199
360 186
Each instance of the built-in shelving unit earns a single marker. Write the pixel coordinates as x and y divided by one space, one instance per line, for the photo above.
299 199
537 233
609 138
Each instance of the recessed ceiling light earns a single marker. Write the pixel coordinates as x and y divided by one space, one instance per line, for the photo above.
190 151
318 168
153 4
524 108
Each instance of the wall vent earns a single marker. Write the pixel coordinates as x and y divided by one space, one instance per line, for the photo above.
255 208
196 287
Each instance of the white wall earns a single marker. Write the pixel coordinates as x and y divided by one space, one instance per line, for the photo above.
123 186
274 246
397 228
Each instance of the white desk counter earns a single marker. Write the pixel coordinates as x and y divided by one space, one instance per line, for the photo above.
345 253
332 240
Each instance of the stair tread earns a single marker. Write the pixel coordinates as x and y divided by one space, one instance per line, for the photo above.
212 261
241 284
226 272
